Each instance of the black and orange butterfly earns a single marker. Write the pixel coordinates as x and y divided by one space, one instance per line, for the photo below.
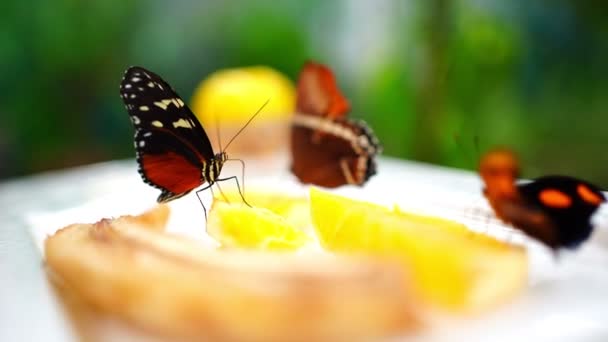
327 148
556 210
173 151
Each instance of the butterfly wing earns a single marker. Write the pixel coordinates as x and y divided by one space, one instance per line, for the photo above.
343 154
572 221
167 163
327 148
171 145
531 220
318 93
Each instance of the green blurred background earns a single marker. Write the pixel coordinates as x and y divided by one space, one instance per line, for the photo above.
430 77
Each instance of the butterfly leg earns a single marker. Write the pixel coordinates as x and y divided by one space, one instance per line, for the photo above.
556 254
469 213
242 171
204 209
221 192
212 193
201 200
346 171
236 179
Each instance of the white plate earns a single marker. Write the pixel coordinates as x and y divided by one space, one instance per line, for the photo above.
567 299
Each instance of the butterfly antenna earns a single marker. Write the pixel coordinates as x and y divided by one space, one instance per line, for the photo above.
246 124
476 145
217 129
458 143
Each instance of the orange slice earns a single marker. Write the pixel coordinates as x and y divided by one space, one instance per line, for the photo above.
452 267
294 209
236 225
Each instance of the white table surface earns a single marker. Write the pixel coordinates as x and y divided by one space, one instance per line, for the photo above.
566 300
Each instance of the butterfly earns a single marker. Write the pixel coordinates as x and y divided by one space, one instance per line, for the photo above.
327 148
555 210
173 151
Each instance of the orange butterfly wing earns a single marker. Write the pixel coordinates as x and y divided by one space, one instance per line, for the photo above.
318 93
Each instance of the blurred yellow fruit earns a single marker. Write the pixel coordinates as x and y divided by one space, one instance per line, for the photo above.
234 95
452 267
230 97
236 225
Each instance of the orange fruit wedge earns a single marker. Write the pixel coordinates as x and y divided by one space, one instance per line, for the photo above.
294 209
236 225
452 267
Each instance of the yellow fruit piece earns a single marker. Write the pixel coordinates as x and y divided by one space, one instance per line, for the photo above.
233 95
236 225
452 267
294 209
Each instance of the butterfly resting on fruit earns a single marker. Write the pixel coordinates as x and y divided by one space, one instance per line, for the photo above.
173 151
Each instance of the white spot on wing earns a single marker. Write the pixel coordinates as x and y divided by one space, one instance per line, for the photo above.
157 123
127 86
160 105
180 103
144 108
142 143
151 84
182 123
147 134
135 79
363 141
133 96
135 120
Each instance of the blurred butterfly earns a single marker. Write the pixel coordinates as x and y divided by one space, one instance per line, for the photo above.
173 151
327 148
555 210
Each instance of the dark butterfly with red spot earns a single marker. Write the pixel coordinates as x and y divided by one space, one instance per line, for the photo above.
556 210
173 151
327 148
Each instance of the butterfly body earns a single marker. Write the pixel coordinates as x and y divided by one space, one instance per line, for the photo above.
556 210
328 148
173 151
